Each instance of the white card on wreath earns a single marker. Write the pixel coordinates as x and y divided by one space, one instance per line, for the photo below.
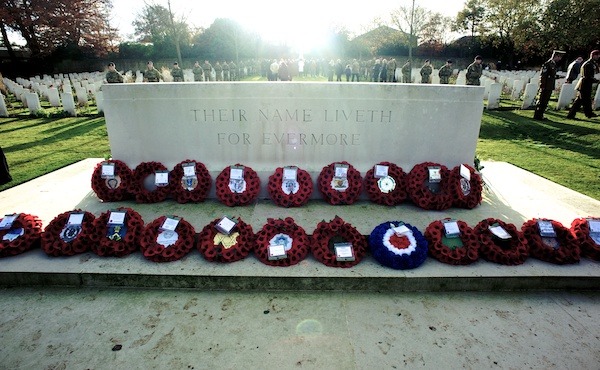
341 170
225 225
546 229
500 232
594 225
75 219
236 173
161 178
435 174
116 218
290 173
402 229
108 171
465 172
189 169
451 228
7 221
344 251
170 224
277 252
381 171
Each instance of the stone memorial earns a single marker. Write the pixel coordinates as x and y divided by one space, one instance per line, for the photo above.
33 102
517 89
100 101
566 96
596 100
68 103
461 79
531 90
494 96
53 97
3 108
310 125
82 95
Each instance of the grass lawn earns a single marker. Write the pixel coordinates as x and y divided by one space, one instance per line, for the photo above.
564 151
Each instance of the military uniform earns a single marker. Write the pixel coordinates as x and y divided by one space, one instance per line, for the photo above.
152 75
584 95
197 71
391 70
426 72
233 72
218 72
474 71
445 73
406 73
547 85
177 74
226 74
114 77
207 68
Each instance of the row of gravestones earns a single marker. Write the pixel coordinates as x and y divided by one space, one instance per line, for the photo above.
56 90
524 85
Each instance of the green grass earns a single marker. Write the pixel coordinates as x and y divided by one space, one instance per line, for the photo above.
564 151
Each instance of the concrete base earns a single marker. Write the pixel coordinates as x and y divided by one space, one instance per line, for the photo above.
69 188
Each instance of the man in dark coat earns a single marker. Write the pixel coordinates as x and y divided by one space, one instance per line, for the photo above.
584 87
547 84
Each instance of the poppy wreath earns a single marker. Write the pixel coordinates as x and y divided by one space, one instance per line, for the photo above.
400 252
216 247
567 250
137 188
31 234
337 231
465 193
297 199
53 237
514 251
419 192
337 197
464 255
245 197
282 229
180 193
117 245
393 197
108 191
589 248
156 252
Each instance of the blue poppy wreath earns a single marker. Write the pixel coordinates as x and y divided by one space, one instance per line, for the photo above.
398 245
24 234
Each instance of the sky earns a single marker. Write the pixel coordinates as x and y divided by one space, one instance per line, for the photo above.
300 23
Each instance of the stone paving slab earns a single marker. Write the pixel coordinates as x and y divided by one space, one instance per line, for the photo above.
512 194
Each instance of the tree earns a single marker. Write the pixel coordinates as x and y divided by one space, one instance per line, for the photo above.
48 24
571 25
226 39
471 17
412 21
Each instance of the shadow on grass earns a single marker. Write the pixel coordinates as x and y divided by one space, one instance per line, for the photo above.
571 135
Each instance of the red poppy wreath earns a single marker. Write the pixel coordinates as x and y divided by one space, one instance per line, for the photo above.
587 232
501 242
218 246
167 239
290 186
68 233
146 191
111 180
452 242
19 233
550 241
338 244
465 186
340 183
237 185
281 243
386 184
117 232
190 181
429 186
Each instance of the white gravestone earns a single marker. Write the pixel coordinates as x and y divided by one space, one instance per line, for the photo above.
53 97
517 89
461 79
265 126
3 109
82 95
100 101
68 103
33 102
529 95
596 101
494 96
435 77
566 96
23 98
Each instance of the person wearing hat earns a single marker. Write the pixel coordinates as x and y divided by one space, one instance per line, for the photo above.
474 71
113 76
584 87
177 73
445 72
547 83
151 74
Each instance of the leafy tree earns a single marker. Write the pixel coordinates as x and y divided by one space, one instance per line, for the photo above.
570 25
48 24
471 17
226 39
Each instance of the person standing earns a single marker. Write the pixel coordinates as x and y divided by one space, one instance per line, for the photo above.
584 87
207 69
218 71
573 70
406 69
355 70
197 71
233 71
391 70
226 71
474 71
177 73
151 74
547 83
445 72
426 71
113 76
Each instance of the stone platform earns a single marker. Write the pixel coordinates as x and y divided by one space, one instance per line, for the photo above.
511 194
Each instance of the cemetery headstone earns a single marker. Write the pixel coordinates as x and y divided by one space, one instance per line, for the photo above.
3 109
494 96
68 103
529 95
33 102
566 96
53 97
